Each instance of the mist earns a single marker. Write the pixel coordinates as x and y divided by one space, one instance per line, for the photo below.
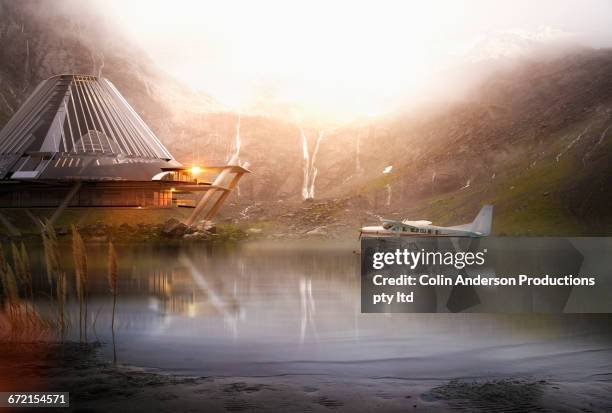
346 58
338 60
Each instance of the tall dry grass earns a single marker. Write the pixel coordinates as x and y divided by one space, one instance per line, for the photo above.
9 286
112 282
21 262
56 276
80 274
52 258
19 322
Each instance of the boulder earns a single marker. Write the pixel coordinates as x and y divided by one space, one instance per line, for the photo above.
125 227
174 228
195 236
206 226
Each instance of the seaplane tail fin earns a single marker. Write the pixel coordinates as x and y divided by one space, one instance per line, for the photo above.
482 222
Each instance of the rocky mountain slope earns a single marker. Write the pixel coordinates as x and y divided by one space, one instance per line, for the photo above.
533 138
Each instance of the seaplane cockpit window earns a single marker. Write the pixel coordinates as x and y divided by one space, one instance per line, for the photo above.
387 225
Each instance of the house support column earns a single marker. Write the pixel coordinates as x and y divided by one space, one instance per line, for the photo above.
217 186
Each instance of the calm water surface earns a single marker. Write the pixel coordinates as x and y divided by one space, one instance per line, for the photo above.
267 309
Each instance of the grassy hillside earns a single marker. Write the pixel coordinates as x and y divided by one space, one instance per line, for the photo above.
547 197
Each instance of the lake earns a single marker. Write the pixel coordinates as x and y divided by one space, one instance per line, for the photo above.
263 309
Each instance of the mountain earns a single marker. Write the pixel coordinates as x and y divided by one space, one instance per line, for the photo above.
518 43
38 40
531 137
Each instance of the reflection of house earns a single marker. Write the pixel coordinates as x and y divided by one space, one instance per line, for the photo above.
176 292
76 142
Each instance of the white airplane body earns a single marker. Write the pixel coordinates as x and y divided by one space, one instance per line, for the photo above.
480 227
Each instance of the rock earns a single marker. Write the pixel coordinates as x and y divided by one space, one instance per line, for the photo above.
174 228
196 236
545 193
206 226
125 227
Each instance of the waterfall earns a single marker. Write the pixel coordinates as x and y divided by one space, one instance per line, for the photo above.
238 141
574 141
237 145
386 171
603 135
599 141
310 169
306 165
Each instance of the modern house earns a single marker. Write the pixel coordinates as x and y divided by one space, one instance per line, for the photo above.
76 142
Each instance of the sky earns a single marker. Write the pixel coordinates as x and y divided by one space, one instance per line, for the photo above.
345 57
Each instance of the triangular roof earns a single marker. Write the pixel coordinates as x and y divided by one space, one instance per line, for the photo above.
77 116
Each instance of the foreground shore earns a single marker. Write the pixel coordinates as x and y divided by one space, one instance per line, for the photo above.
97 385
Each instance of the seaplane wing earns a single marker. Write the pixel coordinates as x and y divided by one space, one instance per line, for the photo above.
418 223
480 227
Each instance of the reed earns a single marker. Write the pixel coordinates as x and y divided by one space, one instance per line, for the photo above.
23 273
27 268
112 282
18 322
62 287
51 252
80 272
56 275
9 286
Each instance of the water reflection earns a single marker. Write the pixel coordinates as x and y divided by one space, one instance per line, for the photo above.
269 310
308 309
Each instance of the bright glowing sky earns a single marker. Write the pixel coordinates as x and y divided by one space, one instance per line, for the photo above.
335 56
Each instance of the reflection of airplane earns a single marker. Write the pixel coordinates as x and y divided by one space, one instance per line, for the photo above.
480 227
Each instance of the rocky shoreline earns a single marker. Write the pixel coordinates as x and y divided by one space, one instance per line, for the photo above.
170 231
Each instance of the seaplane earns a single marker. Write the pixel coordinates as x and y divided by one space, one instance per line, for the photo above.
480 227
